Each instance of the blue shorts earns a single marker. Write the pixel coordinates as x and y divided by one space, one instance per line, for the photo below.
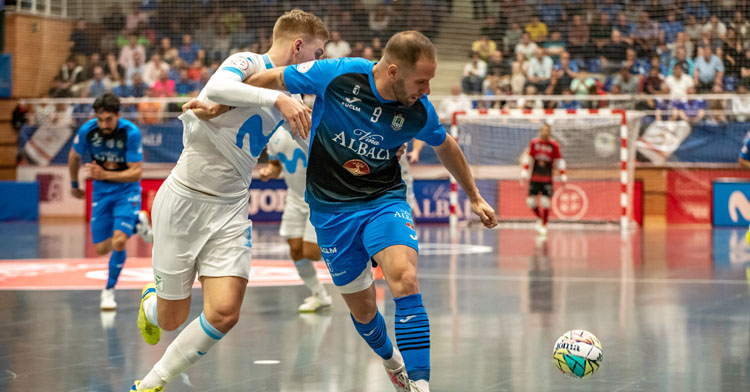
115 211
348 240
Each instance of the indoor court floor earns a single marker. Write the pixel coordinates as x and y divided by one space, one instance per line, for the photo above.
670 306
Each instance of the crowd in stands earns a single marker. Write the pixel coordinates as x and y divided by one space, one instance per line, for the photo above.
581 48
170 48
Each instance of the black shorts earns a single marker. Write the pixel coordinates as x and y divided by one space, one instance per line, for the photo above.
545 188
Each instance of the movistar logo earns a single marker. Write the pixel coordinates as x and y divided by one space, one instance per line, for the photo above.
738 203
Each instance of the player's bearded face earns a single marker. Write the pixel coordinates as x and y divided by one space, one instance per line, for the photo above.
413 83
107 122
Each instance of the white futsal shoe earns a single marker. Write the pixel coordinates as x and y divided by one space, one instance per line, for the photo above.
315 302
143 227
538 227
107 300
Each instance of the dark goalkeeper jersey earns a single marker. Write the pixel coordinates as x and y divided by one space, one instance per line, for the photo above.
356 134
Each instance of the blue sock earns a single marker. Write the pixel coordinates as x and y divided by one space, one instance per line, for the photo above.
376 335
116 261
413 336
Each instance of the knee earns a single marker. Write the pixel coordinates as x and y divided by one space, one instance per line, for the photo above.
545 202
366 312
171 322
531 201
223 318
405 283
118 244
102 248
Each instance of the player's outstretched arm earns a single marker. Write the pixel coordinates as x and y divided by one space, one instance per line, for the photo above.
454 160
74 164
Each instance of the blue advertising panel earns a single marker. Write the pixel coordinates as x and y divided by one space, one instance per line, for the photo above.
267 200
5 75
731 202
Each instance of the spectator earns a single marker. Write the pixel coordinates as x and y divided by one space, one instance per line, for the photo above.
625 26
743 63
150 112
655 62
741 26
222 44
138 88
129 52
682 57
653 82
420 18
693 29
698 10
153 69
513 36
473 75
645 36
195 70
670 28
519 69
495 29
562 75
114 20
357 49
70 74
578 37
609 8
691 110
536 29
184 86
616 50
709 71
682 42
496 62
484 47
540 70
679 82
455 103
122 90
552 13
95 60
167 52
583 83
337 47
114 71
715 27
232 20
377 47
554 46
204 36
626 82
137 68
80 44
601 31
740 104
525 103
569 104
164 86
526 47
189 51
368 53
99 84
733 63
379 20
493 81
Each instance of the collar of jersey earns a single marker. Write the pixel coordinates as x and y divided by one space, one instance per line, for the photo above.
373 88
267 61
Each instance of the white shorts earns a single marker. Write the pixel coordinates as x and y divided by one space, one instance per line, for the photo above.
197 234
295 220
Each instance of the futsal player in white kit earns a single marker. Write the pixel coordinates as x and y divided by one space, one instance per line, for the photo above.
286 155
199 216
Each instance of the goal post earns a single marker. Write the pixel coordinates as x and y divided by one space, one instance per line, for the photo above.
598 146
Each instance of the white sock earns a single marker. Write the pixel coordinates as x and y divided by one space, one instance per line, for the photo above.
395 361
309 276
149 307
190 345
423 385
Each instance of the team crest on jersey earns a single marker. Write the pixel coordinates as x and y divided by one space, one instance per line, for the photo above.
356 89
120 144
304 67
398 122
357 167
240 62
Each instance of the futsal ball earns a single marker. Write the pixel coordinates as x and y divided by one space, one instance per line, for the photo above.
578 353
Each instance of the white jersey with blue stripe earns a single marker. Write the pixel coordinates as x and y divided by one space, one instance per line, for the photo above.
220 154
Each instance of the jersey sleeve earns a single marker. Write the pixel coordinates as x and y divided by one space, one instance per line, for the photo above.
227 88
313 77
239 64
556 154
433 133
134 151
80 144
271 147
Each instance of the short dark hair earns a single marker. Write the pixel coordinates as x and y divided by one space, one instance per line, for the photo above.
108 102
407 47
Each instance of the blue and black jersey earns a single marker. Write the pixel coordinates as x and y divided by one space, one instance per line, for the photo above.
112 152
356 134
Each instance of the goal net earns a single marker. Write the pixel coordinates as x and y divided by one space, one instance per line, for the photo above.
597 146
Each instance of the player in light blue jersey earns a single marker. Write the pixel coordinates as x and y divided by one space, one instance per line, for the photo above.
114 146
363 114
744 161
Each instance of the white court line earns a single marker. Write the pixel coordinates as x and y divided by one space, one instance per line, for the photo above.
575 279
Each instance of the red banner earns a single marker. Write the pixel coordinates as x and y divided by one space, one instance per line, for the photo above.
149 186
689 193
578 200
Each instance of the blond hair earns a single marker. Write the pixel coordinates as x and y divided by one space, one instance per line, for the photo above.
297 23
407 47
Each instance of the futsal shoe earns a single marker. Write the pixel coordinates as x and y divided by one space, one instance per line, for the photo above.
538 227
401 381
107 300
314 303
143 227
138 382
542 231
151 332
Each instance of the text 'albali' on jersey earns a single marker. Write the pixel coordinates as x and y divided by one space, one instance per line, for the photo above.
356 134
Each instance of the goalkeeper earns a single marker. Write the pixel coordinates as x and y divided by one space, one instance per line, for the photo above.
543 155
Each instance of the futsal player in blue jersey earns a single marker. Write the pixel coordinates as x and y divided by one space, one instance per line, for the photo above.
363 113
114 146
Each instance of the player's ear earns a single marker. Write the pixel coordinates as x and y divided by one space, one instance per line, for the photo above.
393 72
298 45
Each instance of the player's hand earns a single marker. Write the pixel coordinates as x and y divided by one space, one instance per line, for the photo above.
265 173
485 212
95 171
78 193
203 110
401 151
413 156
523 182
296 113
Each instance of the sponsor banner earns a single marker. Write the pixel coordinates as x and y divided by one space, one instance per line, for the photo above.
689 193
433 200
730 202
579 200
661 139
55 198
